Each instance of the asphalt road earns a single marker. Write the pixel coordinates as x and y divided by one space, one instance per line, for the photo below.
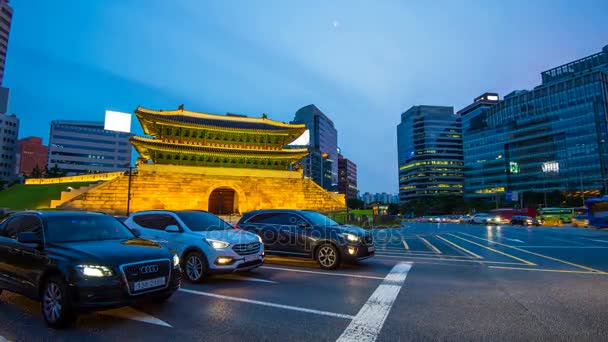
428 282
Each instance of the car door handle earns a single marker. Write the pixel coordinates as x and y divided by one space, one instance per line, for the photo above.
13 251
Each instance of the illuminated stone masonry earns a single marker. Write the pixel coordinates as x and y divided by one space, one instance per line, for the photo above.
225 164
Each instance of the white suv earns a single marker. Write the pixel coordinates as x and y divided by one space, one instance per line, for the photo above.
205 243
485 219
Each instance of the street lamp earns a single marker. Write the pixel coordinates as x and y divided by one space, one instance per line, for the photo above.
129 190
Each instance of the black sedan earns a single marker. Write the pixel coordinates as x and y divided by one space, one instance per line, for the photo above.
78 261
308 234
524 221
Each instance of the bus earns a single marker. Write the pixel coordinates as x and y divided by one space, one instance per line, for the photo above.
506 214
597 212
555 215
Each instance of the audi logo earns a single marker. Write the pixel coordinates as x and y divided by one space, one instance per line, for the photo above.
149 269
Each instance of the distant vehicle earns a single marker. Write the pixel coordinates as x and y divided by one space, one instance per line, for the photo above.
507 213
485 219
524 221
580 221
598 212
464 219
205 243
555 215
308 234
78 261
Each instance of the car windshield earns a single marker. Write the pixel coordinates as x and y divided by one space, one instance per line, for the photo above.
68 228
200 221
317 219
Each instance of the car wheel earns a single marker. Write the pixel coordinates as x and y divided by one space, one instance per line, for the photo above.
56 303
195 267
328 256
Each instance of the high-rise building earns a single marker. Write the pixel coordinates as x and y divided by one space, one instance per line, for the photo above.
78 147
551 138
6 15
347 177
430 160
322 160
9 131
31 154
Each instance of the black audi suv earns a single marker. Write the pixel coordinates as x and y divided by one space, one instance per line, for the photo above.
308 234
81 261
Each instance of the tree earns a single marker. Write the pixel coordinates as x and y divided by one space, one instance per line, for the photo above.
393 209
354 203
36 172
54 172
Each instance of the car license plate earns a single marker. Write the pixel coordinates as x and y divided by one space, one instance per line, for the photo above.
253 257
371 249
146 284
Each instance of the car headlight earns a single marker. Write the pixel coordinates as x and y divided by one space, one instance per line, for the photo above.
175 260
259 238
350 237
217 244
94 271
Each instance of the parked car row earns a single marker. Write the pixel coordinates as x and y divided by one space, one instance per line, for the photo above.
74 262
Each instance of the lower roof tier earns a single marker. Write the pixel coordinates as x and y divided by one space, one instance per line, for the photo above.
151 149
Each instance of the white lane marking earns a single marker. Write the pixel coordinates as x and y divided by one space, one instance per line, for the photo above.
476 256
516 240
604 241
273 305
366 325
582 247
407 247
3 339
136 315
238 277
323 273
426 242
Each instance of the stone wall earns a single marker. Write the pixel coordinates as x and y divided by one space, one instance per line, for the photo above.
93 177
183 187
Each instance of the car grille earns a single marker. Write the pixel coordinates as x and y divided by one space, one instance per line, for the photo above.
246 248
144 271
368 239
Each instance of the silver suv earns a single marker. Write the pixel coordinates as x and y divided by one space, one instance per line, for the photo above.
205 243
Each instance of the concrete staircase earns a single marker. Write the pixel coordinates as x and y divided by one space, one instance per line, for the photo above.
178 191
70 194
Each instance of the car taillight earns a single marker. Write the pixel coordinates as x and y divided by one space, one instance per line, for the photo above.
236 226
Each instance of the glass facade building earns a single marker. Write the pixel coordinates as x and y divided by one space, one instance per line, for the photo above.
347 177
551 138
9 131
321 165
430 157
78 147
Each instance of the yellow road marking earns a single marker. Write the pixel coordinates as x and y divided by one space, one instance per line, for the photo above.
440 258
546 270
495 250
460 247
407 247
426 242
540 255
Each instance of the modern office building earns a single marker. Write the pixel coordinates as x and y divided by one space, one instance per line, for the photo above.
78 147
9 131
347 177
6 15
380 197
31 154
322 161
551 138
430 159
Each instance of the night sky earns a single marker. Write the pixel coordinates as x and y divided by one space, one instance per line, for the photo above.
363 63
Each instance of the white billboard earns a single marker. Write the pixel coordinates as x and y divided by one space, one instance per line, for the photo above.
302 140
117 121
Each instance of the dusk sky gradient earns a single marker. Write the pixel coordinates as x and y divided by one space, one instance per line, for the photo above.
362 63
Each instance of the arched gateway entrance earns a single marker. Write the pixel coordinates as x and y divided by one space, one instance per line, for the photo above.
223 201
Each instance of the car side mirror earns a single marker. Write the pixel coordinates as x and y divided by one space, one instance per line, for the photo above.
172 229
29 237
136 232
